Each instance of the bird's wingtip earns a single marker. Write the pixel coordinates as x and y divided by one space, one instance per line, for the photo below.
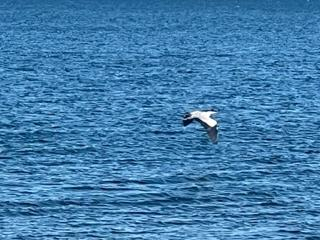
186 122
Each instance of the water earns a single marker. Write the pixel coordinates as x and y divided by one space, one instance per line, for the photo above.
91 99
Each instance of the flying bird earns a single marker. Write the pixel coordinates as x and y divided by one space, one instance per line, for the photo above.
204 118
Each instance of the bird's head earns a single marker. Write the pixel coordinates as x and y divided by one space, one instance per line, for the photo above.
210 111
213 111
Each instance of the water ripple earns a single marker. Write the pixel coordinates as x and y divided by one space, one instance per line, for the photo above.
92 96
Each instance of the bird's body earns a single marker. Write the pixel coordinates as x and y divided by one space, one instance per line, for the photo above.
203 117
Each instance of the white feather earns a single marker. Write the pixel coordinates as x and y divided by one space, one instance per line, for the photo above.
204 118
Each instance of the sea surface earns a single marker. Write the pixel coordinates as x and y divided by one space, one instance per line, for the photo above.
92 95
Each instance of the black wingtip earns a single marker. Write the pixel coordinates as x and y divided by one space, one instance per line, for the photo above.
213 134
186 122
186 115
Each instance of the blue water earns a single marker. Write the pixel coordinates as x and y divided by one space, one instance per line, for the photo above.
91 99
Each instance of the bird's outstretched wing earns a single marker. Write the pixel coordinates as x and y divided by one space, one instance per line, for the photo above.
213 134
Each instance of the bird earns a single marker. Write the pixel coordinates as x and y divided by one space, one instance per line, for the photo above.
203 117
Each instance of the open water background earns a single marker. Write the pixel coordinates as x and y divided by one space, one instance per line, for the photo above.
91 99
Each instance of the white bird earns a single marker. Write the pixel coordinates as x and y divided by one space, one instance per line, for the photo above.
205 120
